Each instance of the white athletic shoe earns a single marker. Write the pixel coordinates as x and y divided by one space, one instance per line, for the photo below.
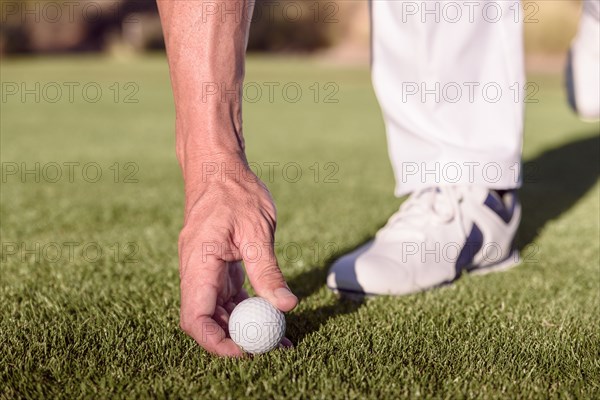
583 64
436 235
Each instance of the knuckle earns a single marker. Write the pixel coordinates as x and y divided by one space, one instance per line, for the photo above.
262 230
270 275
185 324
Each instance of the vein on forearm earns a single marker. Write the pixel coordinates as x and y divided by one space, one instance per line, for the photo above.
205 50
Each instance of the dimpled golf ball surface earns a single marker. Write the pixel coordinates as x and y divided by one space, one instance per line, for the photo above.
256 325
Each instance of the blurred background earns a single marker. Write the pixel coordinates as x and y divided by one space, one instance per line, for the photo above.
333 28
87 157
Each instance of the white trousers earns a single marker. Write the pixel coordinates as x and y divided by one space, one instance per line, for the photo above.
449 76
584 80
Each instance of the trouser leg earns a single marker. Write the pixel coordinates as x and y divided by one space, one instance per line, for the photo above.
449 77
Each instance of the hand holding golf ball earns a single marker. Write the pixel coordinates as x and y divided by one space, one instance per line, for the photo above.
227 221
256 326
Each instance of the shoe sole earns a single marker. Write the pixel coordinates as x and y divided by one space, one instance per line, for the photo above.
512 261
354 295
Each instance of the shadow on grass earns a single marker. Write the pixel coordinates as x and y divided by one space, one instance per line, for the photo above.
553 182
304 285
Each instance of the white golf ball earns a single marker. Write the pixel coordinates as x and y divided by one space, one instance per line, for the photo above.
256 325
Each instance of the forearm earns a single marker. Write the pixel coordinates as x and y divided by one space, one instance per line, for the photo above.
206 54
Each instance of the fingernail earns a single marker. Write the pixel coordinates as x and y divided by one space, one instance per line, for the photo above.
283 293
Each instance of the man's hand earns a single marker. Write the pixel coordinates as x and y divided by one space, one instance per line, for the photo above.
228 219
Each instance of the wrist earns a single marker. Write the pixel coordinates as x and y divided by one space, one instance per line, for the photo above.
220 169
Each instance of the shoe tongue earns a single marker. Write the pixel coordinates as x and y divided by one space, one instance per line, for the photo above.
478 194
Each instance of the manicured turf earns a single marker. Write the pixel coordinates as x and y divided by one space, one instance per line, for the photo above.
86 326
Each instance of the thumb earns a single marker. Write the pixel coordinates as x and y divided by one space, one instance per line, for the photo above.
265 276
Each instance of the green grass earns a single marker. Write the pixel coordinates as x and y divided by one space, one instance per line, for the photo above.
75 328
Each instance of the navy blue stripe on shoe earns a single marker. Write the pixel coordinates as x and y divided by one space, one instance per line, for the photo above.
473 244
495 203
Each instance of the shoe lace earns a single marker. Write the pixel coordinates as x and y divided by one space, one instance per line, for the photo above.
436 205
